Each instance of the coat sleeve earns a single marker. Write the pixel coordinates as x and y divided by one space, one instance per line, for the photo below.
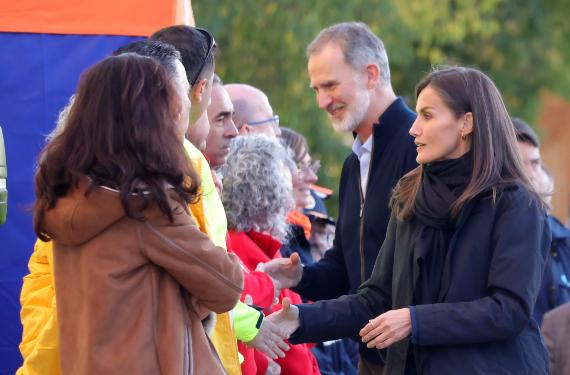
247 322
207 272
347 315
326 278
520 240
260 288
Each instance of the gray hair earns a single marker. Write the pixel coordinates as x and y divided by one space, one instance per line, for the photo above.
256 195
359 46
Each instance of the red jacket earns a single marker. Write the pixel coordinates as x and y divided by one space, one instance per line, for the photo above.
254 248
257 285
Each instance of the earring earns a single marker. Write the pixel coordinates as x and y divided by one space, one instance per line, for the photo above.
464 136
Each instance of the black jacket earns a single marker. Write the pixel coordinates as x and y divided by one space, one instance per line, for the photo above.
350 261
482 322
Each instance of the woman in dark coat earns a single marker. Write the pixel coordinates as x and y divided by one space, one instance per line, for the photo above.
455 282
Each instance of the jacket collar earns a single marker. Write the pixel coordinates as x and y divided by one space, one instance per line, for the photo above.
265 242
391 121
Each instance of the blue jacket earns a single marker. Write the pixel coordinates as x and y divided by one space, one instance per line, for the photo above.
555 289
358 238
482 321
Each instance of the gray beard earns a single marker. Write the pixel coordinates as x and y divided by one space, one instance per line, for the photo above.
353 117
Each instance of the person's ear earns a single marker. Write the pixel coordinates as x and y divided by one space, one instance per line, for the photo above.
372 75
198 90
467 127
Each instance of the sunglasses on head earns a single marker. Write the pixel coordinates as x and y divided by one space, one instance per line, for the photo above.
211 44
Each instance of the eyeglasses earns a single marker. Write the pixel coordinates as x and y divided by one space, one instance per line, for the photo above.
313 166
211 45
273 120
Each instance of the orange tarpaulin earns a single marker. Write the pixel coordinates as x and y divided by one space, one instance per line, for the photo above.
93 17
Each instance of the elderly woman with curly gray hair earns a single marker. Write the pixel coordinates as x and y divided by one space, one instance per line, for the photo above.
257 196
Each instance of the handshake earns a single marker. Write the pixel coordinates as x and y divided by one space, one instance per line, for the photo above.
275 329
278 326
380 332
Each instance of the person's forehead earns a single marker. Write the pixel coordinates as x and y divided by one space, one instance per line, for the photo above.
328 63
429 99
221 98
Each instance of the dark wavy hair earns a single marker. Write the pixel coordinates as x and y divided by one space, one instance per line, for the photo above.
496 159
120 133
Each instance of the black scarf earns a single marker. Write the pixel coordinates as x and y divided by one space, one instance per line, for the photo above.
442 183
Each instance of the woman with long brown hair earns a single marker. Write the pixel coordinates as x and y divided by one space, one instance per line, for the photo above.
134 274
458 274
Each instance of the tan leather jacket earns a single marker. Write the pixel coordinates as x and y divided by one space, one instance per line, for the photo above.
131 294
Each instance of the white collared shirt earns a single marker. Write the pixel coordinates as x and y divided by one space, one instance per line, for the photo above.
363 152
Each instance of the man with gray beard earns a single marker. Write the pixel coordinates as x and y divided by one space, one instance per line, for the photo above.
349 72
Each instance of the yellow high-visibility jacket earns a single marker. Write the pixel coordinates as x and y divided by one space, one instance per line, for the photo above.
39 346
211 210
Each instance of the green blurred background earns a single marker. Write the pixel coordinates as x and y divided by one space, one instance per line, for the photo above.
524 46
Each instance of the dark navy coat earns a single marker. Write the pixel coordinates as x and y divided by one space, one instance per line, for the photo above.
482 322
350 261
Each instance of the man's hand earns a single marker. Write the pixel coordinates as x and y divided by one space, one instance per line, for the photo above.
387 329
272 368
270 340
287 318
287 271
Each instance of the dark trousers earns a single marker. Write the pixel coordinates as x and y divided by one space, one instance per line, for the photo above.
368 368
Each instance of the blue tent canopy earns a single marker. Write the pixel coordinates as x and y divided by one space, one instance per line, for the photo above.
39 72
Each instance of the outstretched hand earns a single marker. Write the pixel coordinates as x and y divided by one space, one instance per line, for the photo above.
270 340
287 271
287 318
387 329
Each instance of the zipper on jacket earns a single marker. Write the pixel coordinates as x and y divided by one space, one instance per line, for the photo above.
362 200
